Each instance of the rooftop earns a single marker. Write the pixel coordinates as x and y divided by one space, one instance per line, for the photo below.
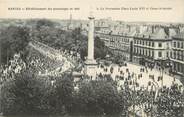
156 33
179 35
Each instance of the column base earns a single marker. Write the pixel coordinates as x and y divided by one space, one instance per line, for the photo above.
90 68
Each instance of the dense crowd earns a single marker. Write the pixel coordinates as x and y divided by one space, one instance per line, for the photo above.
43 64
43 59
13 66
149 97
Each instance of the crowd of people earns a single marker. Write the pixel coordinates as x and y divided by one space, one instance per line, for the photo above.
43 64
14 66
148 95
58 60
141 75
44 60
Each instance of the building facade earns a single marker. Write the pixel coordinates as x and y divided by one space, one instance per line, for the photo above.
152 47
120 42
177 56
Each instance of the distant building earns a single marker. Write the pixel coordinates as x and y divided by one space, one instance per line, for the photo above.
103 23
152 46
177 57
146 44
119 41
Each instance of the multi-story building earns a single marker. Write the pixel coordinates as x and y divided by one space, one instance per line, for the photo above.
102 23
120 42
151 46
177 56
146 44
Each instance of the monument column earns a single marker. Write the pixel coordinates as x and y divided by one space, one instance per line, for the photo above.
91 38
0 53
90 63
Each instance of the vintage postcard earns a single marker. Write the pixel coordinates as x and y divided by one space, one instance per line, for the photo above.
91 58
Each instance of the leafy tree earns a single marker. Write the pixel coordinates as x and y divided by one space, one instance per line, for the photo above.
64 92
98 98
22 95
87 101
69 40
44 23
31 95
108 98
13 40
100 49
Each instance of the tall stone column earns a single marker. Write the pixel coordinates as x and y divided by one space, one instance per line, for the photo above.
91 38
90 63
0 52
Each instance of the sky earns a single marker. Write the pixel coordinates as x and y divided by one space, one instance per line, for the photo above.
124 10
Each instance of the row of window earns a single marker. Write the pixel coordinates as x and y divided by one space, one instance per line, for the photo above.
178 44
120 46
178 67
144 52
116 38
149 53
160 54
179 55
142 42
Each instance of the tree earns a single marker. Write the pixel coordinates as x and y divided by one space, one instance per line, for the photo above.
69 40
64 92
87 100
98 98
22 95
108 98
13 40
100 49
44 23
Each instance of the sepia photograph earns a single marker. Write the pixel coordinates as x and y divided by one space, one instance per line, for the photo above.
92 58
